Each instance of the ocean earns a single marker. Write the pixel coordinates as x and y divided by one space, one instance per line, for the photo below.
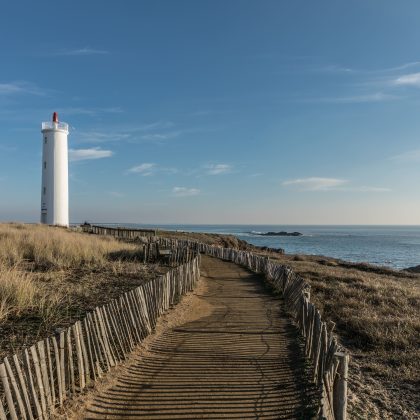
392 246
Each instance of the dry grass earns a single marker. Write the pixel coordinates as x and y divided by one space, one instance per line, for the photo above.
376 311
17 291
54 248
50 276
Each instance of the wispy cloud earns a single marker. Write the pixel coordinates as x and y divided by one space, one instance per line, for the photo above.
410 156
100 137
329 184
351 99
315 183
130 133
337 68
20 87
371 85
334 68
218 169
160 136
412 79
81 52
185 192
88 154
402 66
157 125
148 169
145 169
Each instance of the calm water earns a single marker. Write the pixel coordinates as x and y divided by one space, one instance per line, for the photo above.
393 246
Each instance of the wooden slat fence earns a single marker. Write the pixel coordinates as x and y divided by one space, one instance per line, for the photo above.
329 360
119 232
149 242
42 377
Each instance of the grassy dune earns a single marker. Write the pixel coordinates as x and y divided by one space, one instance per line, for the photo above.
376 312
50 276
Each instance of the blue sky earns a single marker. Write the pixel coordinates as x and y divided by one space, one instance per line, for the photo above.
237 111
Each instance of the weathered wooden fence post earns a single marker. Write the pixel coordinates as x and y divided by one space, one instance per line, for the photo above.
340 387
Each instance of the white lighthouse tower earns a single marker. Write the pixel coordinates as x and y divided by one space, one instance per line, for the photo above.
55 173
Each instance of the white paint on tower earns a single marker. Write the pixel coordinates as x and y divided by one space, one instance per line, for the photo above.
55 173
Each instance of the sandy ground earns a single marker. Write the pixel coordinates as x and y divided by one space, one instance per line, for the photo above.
227 351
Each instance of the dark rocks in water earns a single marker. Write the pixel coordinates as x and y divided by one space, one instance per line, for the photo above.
280 234
276 250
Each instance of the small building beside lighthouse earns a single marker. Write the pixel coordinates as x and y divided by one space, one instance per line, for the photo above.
55 173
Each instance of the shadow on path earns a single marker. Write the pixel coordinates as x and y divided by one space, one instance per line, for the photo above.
243 361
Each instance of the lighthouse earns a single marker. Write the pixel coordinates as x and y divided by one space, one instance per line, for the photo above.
55 173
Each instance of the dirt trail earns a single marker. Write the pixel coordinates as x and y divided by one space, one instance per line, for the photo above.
232 355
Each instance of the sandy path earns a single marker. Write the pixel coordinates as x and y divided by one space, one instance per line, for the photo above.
232 354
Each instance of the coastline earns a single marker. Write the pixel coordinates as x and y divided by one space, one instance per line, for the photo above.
234 241
393 247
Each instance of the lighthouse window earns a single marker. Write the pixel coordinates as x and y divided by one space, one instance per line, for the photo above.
45 190
45 140
45 165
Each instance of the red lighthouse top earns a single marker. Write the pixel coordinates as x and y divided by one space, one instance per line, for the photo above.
55 117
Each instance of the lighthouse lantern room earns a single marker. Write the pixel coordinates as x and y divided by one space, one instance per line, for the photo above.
55 184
